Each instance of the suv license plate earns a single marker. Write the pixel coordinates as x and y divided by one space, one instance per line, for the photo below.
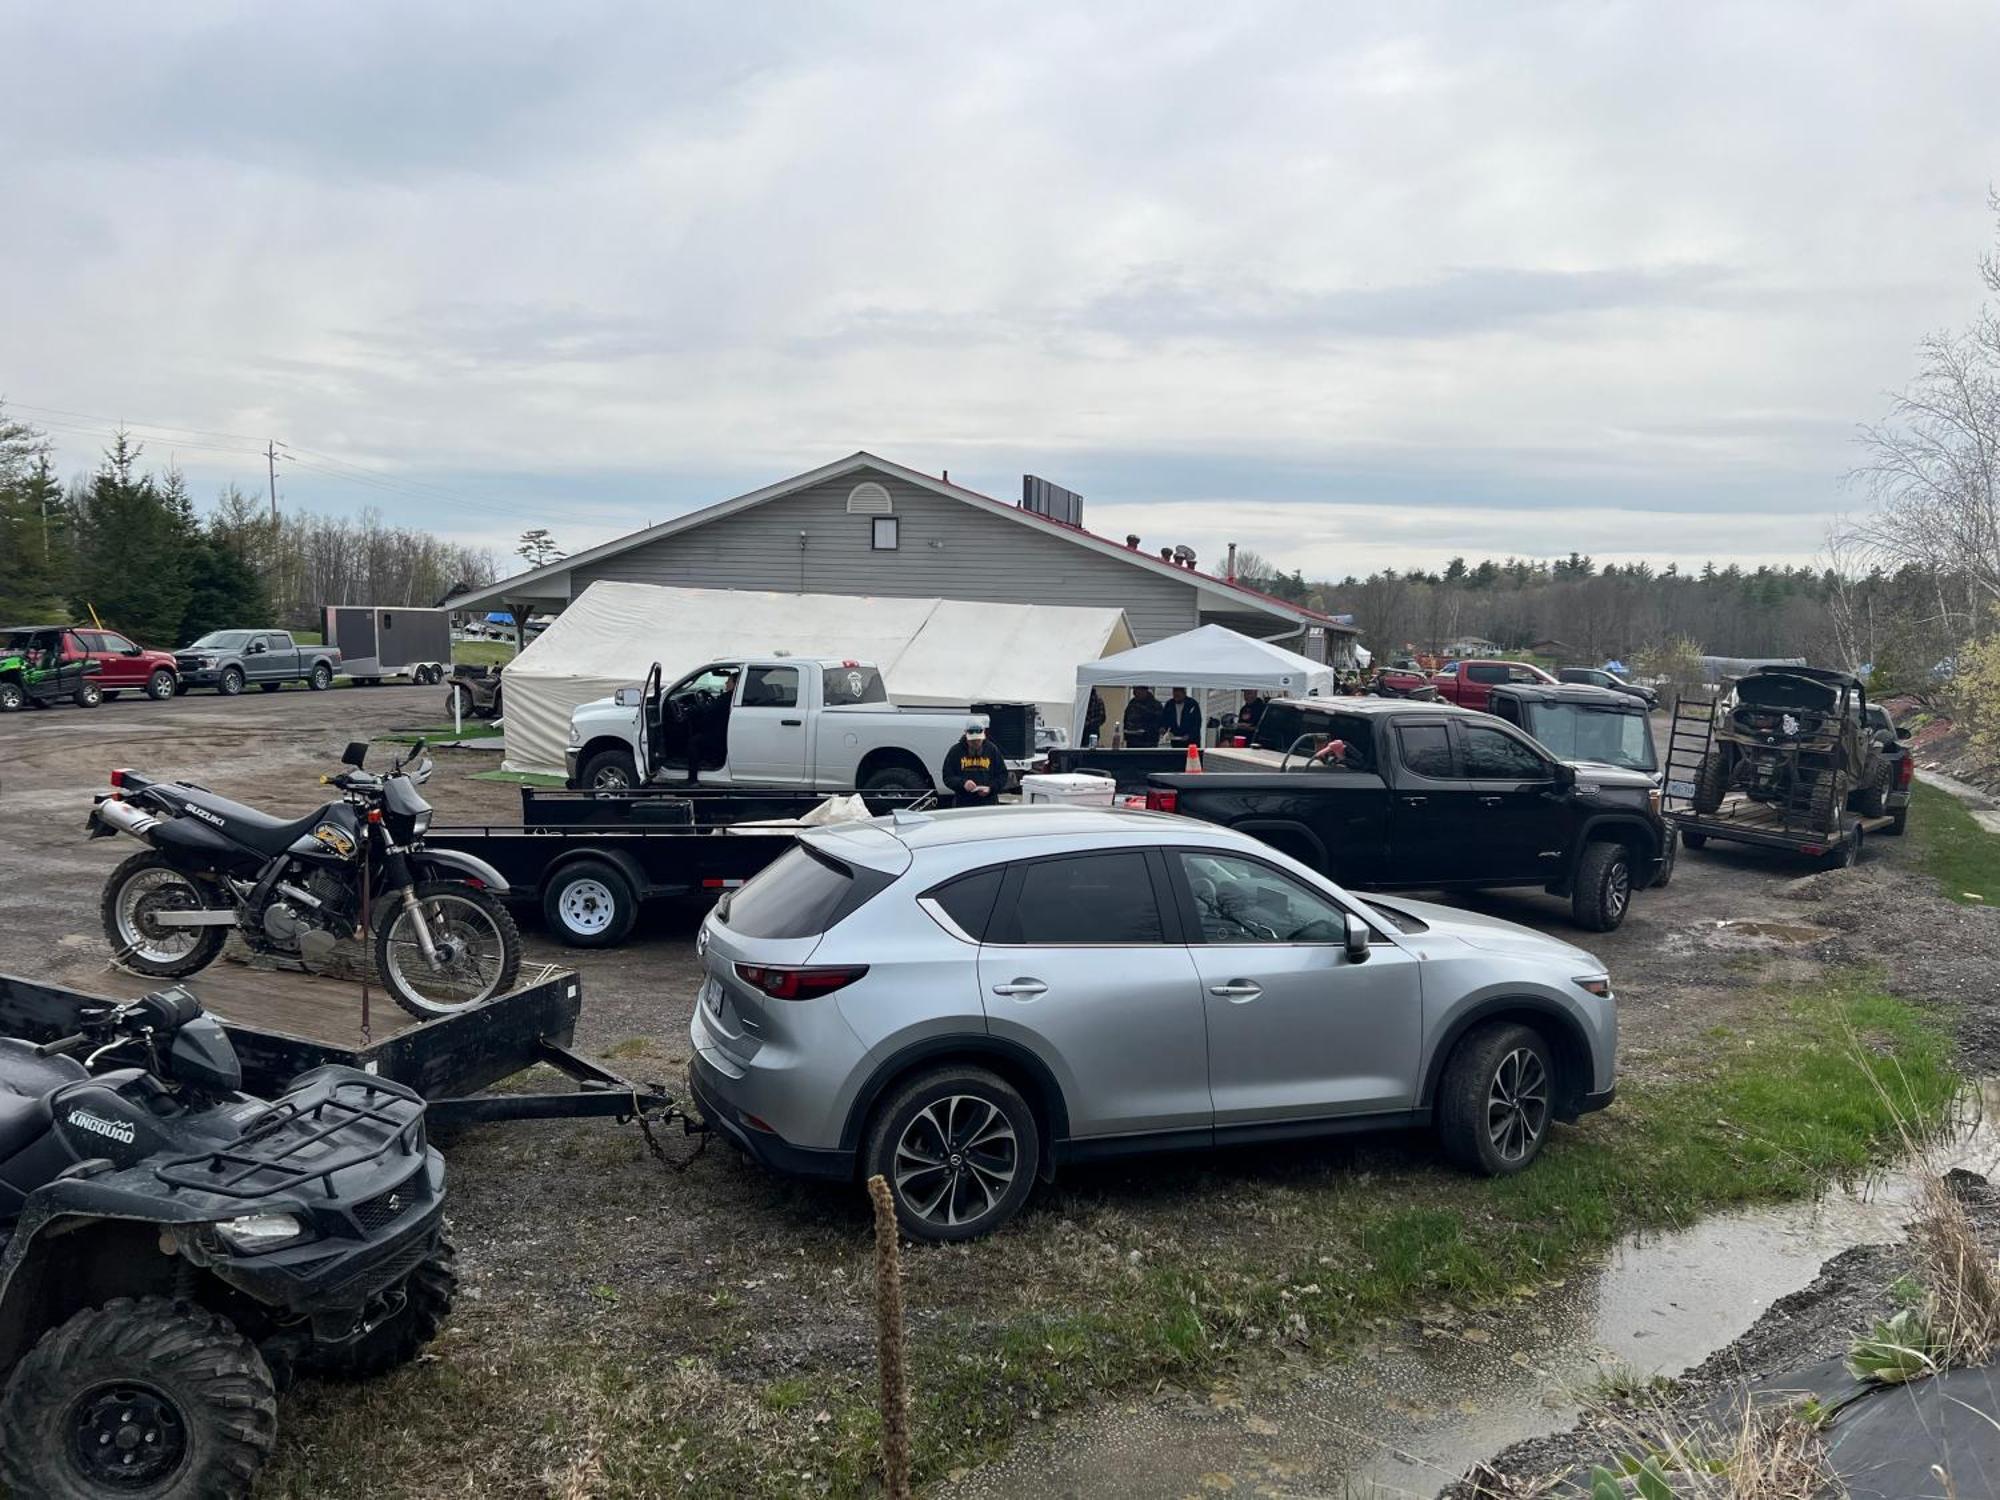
711 996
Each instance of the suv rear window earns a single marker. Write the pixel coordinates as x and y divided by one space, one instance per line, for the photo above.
800 894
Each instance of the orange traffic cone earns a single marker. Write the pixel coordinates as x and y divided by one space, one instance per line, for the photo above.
1194 758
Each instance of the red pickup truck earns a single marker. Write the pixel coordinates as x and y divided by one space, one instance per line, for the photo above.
122 666
1470 684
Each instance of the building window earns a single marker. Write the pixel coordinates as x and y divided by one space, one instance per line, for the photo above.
884 533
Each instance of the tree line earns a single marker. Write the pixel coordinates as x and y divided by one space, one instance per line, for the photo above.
126 545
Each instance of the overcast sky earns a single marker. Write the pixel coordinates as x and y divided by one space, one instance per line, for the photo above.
1349 284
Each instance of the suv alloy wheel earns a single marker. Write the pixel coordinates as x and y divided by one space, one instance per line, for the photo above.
959 1148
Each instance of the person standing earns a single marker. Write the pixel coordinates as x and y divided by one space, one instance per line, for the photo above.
1142 720
1183 718
1093 718
974 772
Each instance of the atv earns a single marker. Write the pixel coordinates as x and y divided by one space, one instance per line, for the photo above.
173 1251
34 672
1796 737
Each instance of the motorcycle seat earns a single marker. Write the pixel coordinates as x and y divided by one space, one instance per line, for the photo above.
22 1122
246 825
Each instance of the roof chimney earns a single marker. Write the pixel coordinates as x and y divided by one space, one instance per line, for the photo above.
1132 540
1229 571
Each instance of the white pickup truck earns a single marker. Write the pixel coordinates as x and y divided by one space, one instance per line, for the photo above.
779 721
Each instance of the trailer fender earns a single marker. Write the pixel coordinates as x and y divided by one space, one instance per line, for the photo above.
618 859
453 863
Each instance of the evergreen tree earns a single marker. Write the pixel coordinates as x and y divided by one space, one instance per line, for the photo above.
223 590
133 540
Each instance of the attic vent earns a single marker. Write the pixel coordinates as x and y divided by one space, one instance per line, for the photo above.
869 499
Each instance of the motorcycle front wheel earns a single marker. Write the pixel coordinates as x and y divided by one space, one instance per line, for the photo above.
476 949
137 893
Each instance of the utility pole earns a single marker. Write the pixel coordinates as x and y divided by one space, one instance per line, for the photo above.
271 456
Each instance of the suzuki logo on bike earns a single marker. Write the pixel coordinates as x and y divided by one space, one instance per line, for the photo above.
203 813
112 1130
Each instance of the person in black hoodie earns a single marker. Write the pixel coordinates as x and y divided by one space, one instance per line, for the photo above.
1183 718
974 772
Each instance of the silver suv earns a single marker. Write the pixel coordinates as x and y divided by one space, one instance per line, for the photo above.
967 1001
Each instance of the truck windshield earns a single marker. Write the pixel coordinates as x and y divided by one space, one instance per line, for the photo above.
847 685
226 640
1580 731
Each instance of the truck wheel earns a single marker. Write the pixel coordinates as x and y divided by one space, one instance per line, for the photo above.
138 890
1694 840
1872 800
231 682
162 685
269 687
1601 888
320 678
1494 1102
88 696
12 699
1711 782
1898 821
959 1148
608 770
427 1296
138 1397
894 779
1669 854
590 905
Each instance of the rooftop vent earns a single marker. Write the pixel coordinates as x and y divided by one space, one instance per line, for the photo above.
1051 500
869 499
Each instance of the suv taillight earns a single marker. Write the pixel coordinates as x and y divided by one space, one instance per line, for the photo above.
1162 799
798 984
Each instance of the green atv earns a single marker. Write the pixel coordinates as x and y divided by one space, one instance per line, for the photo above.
34 672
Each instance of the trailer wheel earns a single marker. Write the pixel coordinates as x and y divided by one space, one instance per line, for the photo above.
590 904
138 1397
1711 782
1601 890
1848 854
1694 840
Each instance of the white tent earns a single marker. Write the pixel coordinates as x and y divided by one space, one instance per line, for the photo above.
931 651
1211 656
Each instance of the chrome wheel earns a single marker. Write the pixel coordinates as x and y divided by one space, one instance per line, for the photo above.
1517 1105
612 777
141 900
469 952
956 1160
1617 891
587 907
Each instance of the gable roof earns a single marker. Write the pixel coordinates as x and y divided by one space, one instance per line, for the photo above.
1224 590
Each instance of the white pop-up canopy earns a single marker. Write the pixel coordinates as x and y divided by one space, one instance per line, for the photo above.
930 651
1211 656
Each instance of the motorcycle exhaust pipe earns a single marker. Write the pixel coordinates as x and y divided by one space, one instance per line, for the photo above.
126 818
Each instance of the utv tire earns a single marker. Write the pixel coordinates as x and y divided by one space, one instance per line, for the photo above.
12 699
1694 840
985 1142
1601 888
460 702
231 682
1497 1099
608 771
427 1295
320 678
590 904
163 685
1828 801
207 945
88 696
1711 783
193 1393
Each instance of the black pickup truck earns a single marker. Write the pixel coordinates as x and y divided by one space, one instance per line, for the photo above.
1391 794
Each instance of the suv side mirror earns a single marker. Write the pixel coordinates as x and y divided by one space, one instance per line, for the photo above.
355 754
1902 734
1357 939
132 651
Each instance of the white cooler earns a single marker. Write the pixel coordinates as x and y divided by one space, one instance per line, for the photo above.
1071 789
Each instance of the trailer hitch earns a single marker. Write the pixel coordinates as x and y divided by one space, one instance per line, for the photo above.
690 1125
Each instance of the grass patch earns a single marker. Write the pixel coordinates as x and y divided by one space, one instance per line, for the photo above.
517 778
483 653
1187 1273
1964 857
475 729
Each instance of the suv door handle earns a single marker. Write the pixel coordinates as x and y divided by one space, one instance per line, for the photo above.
1237 991
1491 801
791 723
1017 987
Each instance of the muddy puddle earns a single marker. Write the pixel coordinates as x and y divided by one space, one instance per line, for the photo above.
1407 1415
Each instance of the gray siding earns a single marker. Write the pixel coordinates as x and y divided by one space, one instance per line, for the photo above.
945 548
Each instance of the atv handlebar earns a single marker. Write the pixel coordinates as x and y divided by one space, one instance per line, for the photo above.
63 1045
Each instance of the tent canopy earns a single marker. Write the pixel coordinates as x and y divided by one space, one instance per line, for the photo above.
1211 656
931 651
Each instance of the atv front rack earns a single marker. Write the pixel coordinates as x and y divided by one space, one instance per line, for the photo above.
302 1141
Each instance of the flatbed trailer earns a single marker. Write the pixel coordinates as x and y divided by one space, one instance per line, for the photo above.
590 858
284 1023
1784 824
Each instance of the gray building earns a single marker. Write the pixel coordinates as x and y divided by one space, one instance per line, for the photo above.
866 526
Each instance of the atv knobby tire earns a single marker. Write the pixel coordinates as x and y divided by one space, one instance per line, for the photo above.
203 1390
427 1294
1828 801
1711 782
